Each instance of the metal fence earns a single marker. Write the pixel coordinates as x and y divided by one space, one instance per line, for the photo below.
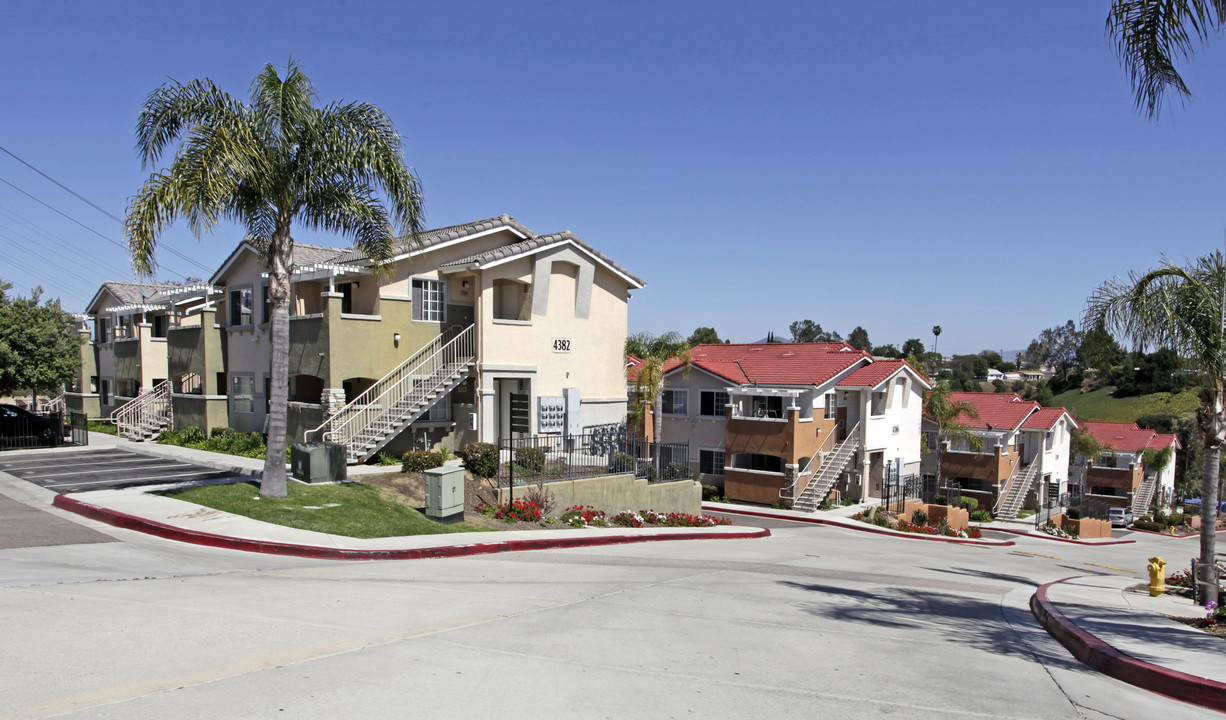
558 458
78 424
19 431
897 489
1052 507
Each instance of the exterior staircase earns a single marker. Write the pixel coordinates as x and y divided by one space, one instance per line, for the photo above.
1144 495
146 415
388 407
825 477
1011 501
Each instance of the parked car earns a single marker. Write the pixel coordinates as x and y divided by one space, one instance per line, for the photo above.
1119 516
21 428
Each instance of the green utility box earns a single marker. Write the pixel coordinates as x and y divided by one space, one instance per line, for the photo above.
318 462
445 494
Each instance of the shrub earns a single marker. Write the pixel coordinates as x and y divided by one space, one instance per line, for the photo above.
620 462
219 431
192 435
1177 519
970 503
1150 525
539 496
419 461
626 518
514 511
981 516
480 459
531 459
385 459
919 517
583 515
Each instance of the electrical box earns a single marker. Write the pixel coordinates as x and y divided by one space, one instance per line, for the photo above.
573 424
552 415
318 462
445 493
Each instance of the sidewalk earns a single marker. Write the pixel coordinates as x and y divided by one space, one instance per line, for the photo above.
1122 633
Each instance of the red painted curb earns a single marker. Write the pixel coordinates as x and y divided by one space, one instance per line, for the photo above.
1045 536
170 532
1106 659
1177 537
867 528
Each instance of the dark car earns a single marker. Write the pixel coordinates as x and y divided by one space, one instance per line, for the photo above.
21 428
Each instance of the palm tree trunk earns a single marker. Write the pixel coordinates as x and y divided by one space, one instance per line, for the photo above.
1213 425
280 261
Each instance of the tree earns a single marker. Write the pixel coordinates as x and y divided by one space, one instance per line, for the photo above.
655 352
992 358
947 414
1149 34
1180 307
913 347
266 165
39 351
703 336
936 334
858 339
807 331
888 351
1057 346
1099 350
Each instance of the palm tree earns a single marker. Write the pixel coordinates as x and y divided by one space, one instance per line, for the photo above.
655 351
265 165
947 413
1181 308
1149 35
936 334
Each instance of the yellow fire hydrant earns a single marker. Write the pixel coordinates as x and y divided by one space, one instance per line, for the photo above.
1156 569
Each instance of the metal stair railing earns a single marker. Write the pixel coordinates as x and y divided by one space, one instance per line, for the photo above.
1144 495
145 413
398 393
789 492
828 473
55 404
1018 485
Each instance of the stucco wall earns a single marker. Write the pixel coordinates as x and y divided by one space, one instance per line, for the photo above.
615 493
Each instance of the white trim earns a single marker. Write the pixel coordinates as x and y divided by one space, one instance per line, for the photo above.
634 284
461 239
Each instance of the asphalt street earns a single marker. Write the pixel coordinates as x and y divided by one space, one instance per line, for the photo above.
813 621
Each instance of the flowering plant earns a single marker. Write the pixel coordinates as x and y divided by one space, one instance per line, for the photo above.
515 511
583 516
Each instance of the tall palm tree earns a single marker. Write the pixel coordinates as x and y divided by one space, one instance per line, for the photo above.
947 413
655 352
1181 308
1149 35
936 334
265 165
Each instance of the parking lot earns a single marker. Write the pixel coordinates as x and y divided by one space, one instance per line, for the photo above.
81 470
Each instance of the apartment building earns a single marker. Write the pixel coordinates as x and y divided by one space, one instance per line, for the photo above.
1119 476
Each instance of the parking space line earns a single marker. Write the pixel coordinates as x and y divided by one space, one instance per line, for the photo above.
103 470
100 482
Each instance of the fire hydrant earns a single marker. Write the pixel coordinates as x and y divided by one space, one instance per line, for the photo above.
1156 575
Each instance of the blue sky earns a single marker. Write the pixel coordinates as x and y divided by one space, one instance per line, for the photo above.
895 165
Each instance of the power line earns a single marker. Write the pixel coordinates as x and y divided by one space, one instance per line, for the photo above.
52 237
171 250
61 185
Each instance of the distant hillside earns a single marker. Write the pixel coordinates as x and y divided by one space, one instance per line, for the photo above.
1099 405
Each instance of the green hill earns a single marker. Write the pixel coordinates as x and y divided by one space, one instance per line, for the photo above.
1099 405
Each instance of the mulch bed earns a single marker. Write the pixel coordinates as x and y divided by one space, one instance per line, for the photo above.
413 487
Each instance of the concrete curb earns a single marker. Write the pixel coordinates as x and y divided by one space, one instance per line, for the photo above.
1045 536
1106 659
1175 537
170 532
852 525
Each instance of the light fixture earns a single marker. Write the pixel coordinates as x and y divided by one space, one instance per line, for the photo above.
396 339
463 283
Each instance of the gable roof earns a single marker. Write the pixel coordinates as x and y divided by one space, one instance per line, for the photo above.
1006 411
129 293
428 239
1129 437
879 372
304 255
495 256
774 363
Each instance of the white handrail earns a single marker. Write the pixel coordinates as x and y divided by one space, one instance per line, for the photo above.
851 441
151 405
401 389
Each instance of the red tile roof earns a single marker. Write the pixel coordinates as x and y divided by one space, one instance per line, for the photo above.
1129 437
633 365
877 373
774 363
1045 418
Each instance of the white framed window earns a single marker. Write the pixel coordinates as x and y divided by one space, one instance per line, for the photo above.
240 307
878 404
713 403
440 411
675 402
428 300
711 462
103 329
832 405
242 393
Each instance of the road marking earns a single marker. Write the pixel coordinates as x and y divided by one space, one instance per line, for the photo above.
73 483
1050 557
1134 572
78 473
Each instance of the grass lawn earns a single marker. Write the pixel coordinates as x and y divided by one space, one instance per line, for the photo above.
1099 405
351 509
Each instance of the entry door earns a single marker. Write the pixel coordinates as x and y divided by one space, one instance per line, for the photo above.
841 419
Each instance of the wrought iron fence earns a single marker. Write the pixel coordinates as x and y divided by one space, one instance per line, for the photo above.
1050 508
558 458
24 430
897 489
78 424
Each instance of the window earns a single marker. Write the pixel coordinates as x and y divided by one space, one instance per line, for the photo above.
240 307
767 407
675 402
763 463
712 403
242 393
711 462
878 404
161 323
428 300
346 291
102 329
832 403
440 411
267 394
266 304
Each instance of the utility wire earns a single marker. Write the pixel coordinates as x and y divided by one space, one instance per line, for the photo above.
44 258
25 224
61 185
